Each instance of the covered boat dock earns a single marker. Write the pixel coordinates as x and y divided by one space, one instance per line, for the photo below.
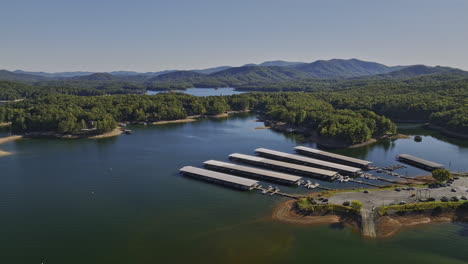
301 160
220 178
418 162
328 156
252 172
286 167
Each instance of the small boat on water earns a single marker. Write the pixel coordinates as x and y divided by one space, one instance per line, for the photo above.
418 138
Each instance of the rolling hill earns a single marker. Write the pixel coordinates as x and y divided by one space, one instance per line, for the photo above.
14 76
338 69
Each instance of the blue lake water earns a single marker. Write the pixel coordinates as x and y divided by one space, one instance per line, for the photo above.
121 200
204 91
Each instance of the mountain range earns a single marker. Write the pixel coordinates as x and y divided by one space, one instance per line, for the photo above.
270 71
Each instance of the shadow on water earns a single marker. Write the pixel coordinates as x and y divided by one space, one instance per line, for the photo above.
337 226
420 130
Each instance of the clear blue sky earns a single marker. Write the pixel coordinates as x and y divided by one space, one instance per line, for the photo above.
152 35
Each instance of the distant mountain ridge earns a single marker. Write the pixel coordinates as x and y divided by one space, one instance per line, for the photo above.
269 71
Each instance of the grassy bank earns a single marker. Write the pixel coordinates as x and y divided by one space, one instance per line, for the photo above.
415 207
305 205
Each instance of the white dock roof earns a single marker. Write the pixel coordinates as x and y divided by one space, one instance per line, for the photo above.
333 155
267 173
421 161
322 172
219 176
331 165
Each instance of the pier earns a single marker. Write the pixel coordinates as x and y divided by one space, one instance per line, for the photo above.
332 157
286 167
252 172
418 162
301 160
220 178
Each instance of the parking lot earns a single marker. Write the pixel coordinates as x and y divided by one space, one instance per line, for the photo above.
385 197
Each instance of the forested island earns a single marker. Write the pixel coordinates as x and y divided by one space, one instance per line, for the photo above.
346 100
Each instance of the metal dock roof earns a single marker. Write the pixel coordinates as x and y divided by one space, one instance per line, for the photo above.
219 176
421 161
265 173
333 155
328 165
325 173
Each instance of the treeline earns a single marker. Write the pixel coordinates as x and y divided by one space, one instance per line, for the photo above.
17 90
307 111
72 114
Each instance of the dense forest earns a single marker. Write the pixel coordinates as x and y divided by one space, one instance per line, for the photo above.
72 114
344 109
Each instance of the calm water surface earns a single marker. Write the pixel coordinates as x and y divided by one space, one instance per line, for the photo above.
121 200
204 91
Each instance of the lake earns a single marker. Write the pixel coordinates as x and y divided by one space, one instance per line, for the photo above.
121 200
204 91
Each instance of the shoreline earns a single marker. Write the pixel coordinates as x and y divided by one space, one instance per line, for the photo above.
326 142
10 138
186 120
387 223
5 153
388 226
446 132
117 131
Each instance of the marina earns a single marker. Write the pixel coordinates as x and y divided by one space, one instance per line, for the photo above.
286 167
217 177
301 160
253 172
418 162
332 157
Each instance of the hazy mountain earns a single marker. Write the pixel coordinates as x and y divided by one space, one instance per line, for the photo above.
419 70
337 68
212 70
16 76
56 74
178 76
260 74
101 76
281 63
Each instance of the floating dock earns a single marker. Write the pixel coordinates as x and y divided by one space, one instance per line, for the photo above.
252 172
301 160
220 178
286 167
328 156
418 162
